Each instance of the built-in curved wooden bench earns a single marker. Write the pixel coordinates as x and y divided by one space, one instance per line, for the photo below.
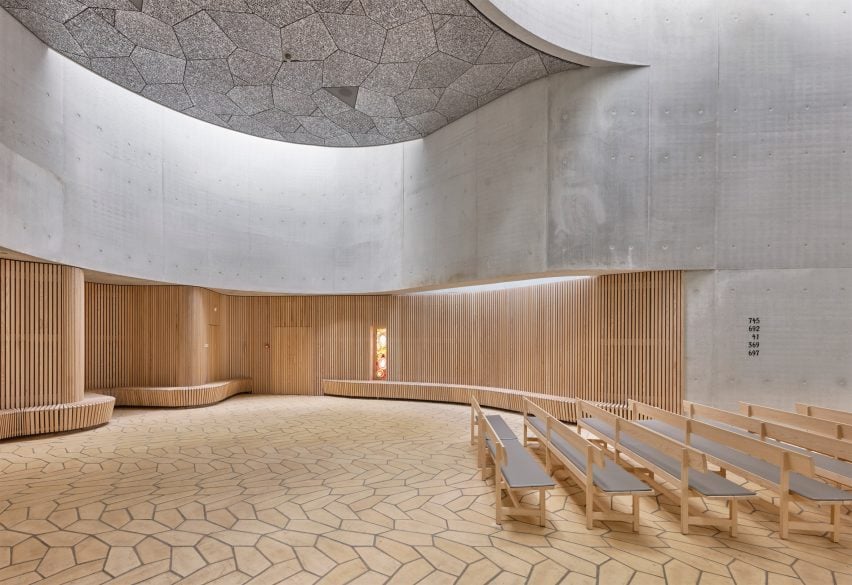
179 396
503 398
92 411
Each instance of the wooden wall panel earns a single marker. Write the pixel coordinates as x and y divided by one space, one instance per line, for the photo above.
146 336
41 334
118 336
607 339
344 335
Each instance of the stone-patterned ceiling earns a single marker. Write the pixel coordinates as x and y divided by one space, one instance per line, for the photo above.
327 72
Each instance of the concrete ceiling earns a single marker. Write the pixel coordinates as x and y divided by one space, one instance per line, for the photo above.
325 72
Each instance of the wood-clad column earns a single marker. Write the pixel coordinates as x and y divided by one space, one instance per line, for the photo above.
150 336
43 334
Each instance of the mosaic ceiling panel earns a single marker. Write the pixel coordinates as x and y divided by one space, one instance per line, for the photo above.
325 72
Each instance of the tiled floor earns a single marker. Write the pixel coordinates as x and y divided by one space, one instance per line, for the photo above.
311 489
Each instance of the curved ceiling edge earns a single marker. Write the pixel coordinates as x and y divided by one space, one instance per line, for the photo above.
97 177
588 32
343 73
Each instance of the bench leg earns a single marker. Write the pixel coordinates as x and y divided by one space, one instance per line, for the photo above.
498 499
784 513
542 508
733 517
548 464
526 437
635 513
590 507
684 510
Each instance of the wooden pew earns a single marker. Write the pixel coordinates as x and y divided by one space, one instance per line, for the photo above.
789 474
679 464
832 457
516 471
841 416
600 476
819 426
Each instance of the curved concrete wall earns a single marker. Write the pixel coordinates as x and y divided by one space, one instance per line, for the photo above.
95 177
731 152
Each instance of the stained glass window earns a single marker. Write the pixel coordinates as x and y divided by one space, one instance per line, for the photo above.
380 353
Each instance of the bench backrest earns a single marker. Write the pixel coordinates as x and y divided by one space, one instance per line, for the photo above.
594 454
784 459
683 453
792 419
800 438
694 410
489 433
774 454
640 411
589 410
841 416
475 416
531 408
688 456
837 448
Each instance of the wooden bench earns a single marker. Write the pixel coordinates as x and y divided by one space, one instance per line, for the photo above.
841 416
832 457
503 398
679 464
516 471
94 410
600 476
789 474
827 428
179 396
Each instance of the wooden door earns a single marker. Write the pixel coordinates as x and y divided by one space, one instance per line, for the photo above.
293 361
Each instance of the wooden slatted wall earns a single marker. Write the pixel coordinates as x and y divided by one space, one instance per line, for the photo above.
146 336
41 343
290 344
607 338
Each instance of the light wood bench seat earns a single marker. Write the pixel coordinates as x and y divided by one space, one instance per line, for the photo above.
706 483
179 396
681 465
520 469
806 487
832 457
579 456
516 471
786 473
93 410
833 414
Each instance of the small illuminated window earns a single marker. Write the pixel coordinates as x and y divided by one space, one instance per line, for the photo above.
380 353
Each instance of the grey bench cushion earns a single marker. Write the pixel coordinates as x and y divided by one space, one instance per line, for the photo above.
806 487
611 478
843 468
705 483
539 424
521 469
504 433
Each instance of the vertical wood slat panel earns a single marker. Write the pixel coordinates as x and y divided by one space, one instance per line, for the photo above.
42 334
608 338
